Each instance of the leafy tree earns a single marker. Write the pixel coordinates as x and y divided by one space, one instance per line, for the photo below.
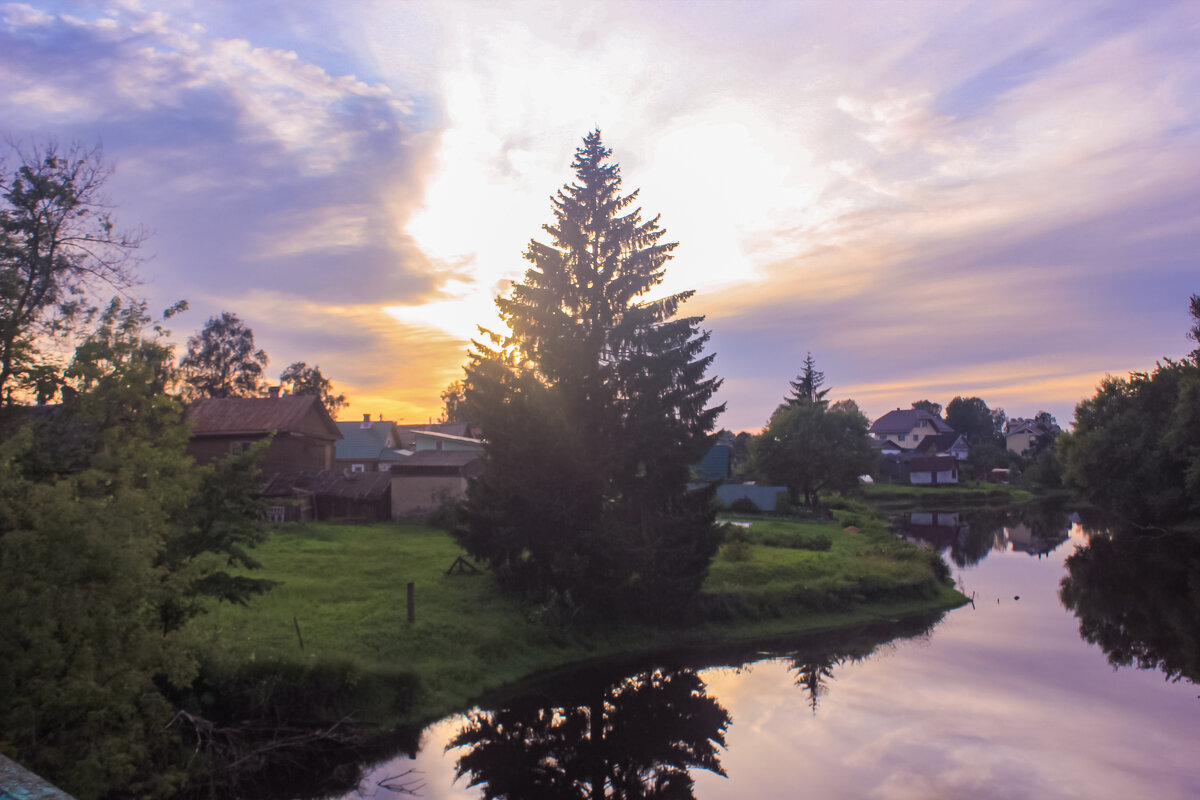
57 242
930 406
110 538
848 406
1194 331
454 403
807 386
221 360
971 417
595 406
810 449
1134 447
301 379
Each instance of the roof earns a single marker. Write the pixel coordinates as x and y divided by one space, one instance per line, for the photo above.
439 462
240 416
450 428
903 420
715 464
938 443
932 464
327 483
367 440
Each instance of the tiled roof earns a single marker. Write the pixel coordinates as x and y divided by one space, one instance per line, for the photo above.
232 416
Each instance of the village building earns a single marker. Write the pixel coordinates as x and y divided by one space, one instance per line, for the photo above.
303 435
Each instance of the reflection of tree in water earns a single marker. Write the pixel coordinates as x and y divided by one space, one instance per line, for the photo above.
633 739
814 677
1138 598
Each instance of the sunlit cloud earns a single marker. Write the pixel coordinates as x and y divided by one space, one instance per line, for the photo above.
934 199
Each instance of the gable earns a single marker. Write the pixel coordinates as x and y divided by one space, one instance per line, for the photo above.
258 416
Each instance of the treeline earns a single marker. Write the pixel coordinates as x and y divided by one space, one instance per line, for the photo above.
1135 446
111 537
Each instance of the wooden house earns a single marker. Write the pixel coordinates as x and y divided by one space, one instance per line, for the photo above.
304 433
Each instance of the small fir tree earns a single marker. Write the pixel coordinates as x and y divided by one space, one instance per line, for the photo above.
807 386
595 404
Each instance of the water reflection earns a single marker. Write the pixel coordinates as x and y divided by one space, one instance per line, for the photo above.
1137 596
635 738
967 537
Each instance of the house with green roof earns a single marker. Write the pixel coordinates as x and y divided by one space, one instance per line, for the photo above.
368 446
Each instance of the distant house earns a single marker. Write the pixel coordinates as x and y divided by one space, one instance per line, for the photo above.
1023 436
943 444
908 427
304 433
428 478
933 470
368 446
408 439
435 440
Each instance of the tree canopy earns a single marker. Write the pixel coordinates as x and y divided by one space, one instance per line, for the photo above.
595 404
58 241
971 417
301 379
810 449
1134 447
221 360
110 539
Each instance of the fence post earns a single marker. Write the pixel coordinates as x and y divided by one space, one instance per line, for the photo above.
412 609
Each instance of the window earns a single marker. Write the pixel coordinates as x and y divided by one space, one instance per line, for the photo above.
237 447
358 467
276 513
902 437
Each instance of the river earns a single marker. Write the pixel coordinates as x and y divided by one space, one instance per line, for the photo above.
1002 698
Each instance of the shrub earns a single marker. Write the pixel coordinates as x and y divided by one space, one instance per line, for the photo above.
744 505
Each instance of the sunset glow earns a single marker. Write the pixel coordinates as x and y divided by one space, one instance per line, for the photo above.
935 199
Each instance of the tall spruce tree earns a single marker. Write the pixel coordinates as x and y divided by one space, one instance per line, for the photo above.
594 405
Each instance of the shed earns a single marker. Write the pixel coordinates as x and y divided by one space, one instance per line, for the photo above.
428 478
933 470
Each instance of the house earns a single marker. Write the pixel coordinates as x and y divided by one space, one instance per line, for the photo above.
428 478
407 433
908 427
436 440
304 433
933 470
368 446
943 444
1022 436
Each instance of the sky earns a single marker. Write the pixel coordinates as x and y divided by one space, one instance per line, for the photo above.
994 199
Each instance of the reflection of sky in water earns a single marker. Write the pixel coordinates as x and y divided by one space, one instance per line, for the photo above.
1002 700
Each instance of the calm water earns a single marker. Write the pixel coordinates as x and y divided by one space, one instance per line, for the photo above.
999 699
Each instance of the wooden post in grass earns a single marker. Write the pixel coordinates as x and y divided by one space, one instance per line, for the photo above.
412 608
298 636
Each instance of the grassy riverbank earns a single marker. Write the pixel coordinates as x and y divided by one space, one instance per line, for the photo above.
974 494
344 589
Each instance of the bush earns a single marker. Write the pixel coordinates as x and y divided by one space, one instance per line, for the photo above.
744 505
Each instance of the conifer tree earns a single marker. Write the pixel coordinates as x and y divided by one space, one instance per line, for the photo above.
807 386
594 405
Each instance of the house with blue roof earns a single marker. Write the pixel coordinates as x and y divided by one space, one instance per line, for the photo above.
368 446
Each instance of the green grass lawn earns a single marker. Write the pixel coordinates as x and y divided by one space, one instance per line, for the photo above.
345 587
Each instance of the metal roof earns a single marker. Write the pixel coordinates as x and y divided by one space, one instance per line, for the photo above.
234 416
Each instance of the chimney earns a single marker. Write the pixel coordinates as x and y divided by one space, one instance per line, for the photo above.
273 392
366 423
